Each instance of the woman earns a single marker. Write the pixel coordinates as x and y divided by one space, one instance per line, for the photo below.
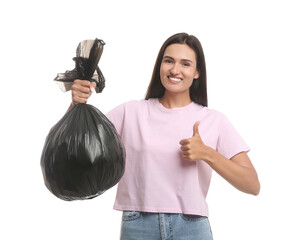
172 142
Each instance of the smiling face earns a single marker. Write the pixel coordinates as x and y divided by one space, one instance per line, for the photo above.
178 69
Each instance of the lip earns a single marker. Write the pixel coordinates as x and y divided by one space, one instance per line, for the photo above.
174 80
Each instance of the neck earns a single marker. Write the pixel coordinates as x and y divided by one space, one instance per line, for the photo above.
175 100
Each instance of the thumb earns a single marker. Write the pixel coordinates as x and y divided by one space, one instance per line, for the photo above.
195 129
93 86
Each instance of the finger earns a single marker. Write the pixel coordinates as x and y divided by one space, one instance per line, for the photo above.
186 153
79 100
85 83
195 129
184 141
93 86
187 157
184 148
81 94
79 88
86 90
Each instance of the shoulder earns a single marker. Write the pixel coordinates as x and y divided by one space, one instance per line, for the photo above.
210 113
225 126
215 119
129 106
136 103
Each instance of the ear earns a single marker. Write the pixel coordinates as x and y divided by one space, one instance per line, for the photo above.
197 75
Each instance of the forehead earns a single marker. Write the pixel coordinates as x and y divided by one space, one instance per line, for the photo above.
180 51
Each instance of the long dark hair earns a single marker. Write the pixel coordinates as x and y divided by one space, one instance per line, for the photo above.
198 90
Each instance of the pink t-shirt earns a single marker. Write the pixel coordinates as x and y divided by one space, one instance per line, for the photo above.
157 178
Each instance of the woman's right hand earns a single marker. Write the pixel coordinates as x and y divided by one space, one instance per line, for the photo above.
81 91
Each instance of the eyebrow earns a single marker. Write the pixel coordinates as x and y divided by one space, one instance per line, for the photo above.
184 60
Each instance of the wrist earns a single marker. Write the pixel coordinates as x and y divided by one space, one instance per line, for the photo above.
210 155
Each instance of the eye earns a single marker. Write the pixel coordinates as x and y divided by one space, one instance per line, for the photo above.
187 64
166 60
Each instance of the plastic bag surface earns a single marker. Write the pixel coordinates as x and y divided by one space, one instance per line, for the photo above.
83 155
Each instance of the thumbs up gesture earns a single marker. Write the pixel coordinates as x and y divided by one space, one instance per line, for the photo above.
193 148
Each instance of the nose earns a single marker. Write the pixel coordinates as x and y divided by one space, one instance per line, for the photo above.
174 70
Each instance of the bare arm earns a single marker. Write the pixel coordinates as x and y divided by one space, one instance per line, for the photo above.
238 171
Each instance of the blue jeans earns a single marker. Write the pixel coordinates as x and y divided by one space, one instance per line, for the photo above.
164 226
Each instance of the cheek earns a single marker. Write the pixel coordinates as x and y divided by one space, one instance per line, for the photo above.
190 76
189 83
163 73
162 69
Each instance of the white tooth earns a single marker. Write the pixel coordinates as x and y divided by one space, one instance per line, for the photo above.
175 79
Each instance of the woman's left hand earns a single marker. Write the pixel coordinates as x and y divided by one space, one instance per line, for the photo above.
193 148
238 170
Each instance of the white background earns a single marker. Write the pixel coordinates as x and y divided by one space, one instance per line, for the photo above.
251 57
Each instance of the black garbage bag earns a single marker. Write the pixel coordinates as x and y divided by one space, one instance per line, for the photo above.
83 155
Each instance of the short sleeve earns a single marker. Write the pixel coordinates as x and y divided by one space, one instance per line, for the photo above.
230 142
116 116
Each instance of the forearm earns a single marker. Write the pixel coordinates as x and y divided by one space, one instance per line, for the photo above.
244 178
